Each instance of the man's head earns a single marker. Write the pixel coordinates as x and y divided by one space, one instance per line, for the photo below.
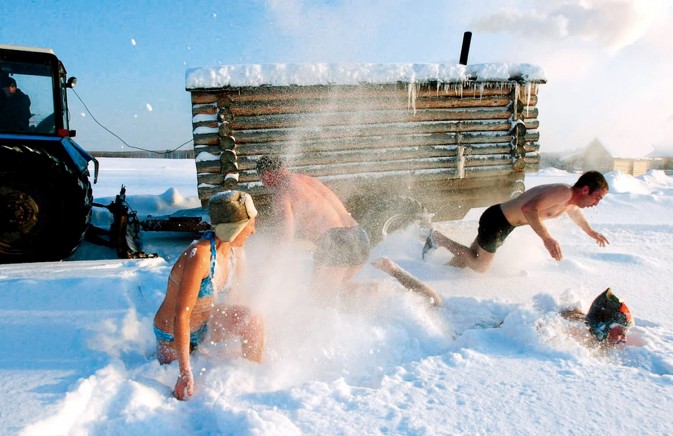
268 163
590 188
593 180
230 212
271 171
8 85
609 319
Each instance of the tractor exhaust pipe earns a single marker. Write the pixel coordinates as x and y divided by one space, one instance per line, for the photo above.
465 51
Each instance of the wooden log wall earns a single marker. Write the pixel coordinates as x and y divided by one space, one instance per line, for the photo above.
393 136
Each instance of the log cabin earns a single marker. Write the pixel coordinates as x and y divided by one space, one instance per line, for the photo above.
394 141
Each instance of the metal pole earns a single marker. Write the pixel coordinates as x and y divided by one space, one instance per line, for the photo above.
465 51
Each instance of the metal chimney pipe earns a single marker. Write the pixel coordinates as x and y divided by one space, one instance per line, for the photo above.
465 51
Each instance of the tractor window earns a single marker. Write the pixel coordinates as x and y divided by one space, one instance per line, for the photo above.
26 99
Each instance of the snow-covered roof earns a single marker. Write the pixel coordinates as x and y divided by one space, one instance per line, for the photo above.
661 152
26 48
353 74
595 146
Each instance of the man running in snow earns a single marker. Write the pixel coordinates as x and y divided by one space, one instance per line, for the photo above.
530 208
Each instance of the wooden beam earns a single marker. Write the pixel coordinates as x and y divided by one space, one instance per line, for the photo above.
320 120
366 104
400 90
394 130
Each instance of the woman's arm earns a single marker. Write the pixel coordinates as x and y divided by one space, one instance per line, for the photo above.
195 269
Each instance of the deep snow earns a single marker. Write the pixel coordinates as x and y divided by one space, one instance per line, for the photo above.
78 345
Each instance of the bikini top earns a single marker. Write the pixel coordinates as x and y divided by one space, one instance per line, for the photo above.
207 289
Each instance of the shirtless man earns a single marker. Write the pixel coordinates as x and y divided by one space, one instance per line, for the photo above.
530 208
307 208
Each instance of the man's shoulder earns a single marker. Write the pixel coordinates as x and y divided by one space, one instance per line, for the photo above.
305 178
301 182
552 190
24 97
548 190
554 186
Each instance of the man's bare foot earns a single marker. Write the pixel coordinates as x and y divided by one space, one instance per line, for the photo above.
430 244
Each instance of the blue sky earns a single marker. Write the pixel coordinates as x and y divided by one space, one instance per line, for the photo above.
607 61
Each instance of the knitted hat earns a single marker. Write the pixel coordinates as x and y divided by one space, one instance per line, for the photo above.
230 212
7 81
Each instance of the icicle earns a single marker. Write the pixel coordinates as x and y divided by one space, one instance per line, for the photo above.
515 103
481 90
418 90
528 89
411 96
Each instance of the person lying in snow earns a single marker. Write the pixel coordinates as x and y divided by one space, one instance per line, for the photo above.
608 320
208 267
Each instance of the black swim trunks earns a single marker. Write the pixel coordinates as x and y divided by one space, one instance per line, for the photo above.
342 246
493 229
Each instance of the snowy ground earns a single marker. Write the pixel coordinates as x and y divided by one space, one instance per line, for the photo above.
78 345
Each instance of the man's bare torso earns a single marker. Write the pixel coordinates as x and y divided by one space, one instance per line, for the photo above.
315 208
550 201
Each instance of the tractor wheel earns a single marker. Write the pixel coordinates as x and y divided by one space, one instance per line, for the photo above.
381 217
45 207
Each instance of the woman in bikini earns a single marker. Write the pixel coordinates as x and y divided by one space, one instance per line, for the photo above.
201 292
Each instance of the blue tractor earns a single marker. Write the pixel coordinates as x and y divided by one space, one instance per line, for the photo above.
45 191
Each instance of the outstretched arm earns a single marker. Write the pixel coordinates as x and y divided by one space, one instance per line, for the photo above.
578 218
553 200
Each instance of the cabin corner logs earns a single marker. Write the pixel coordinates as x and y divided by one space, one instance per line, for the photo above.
388 150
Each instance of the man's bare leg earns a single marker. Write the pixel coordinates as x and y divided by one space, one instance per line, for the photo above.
407 280
473 257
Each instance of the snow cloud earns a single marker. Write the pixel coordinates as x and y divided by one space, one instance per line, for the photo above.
613 24
328 30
